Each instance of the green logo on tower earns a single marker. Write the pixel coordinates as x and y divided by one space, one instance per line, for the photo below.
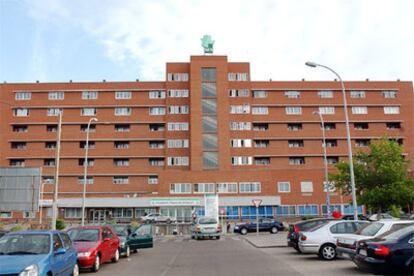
207 44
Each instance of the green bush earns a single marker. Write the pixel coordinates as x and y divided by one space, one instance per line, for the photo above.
395 211
16 228
60 224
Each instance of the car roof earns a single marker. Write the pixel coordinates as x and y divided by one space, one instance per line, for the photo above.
88 227
394 221
34 232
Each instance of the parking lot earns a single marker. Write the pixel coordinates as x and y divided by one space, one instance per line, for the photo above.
231 255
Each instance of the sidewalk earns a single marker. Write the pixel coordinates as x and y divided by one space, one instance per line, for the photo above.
265 240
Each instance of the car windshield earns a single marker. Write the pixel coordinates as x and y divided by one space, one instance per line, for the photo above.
370 230
120 230
397 234
28 244
207 221
86 235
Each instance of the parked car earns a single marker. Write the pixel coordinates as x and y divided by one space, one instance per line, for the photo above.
392 252
271 225
346 245
205 227
133 239
95 245
374 217
294 229
322 239
2 234
351 217
157 218
37 253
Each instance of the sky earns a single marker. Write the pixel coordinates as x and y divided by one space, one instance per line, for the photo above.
125 40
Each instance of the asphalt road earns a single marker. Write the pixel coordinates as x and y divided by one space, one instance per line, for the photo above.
231 255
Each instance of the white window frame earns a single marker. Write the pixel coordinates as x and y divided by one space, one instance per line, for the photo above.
240 126
223 188
177 76
293 161
306 186
292 94
389 94
178 126
325 94
157 110
241 143
390 110
252 187
178 93
240 109
89 180
327 110
120 180
359 110
53 112
23 96
293 110
89 95
21 112
180 188
122 111
156 94
177 143
153 179
56 95
259 94
241 160
260 110
178 109
88 111
178 161
123 95
234 93
358 94
280 185
204 188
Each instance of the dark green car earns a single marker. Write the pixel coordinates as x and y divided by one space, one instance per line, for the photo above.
133 239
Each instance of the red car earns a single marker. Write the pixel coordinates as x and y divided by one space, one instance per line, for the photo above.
95 245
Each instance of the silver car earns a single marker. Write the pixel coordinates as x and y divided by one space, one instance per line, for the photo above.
205 227
157 218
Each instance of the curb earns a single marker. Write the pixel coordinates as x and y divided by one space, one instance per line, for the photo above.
264 246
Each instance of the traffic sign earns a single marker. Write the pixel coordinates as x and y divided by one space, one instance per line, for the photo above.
257 202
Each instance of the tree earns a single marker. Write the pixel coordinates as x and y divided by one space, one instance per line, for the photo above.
381 176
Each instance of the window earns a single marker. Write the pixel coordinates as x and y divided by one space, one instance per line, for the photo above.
283 187
237 76
121 144
121 162
19 128
208 74
122 212
209 124
155 94
389 94
360 143
241 160
157 111
29 215
286 210
331 143
156 144
359 110
259 94
178 161
204 188
51 128
296 160
343 228
87 111
209 90
240 126
48 179
293 110
89 179
91 144
156 162
224 188
177 143
122 111
329 126
261 143
120 180
210 160
73 212
59 95
21 112
332 160
17 162
308 210
53 111
295 143
50 162
393 125
177 77
6 215
84 128
209 106
262 161
123 95
177 126
360 126
23 96
180 188
260 110
327 110
18 145
358 94
57 243
153 179
391 110
240 109
122 127
156 127
306 186
292 94
178 93
91 162
238 93
294 126
89 95
325 94
210 141
250 187
241 143
260 126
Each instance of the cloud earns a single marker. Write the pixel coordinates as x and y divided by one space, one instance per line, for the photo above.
358 38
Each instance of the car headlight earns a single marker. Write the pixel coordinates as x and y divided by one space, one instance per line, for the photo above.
236 227
31 270
122 244
84 254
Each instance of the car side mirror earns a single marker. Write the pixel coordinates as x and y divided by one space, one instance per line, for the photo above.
60 251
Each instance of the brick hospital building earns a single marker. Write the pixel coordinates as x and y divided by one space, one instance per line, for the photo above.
208 128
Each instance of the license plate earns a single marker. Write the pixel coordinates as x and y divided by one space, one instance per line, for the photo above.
363 252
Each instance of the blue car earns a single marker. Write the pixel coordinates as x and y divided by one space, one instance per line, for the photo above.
37 253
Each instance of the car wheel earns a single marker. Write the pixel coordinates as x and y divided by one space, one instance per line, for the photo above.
135 251
274 230
327 252
75 271
243 231
128 252
96 264
115 259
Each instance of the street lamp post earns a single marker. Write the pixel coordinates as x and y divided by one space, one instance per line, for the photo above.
348 136
325 161
55 193
85 168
